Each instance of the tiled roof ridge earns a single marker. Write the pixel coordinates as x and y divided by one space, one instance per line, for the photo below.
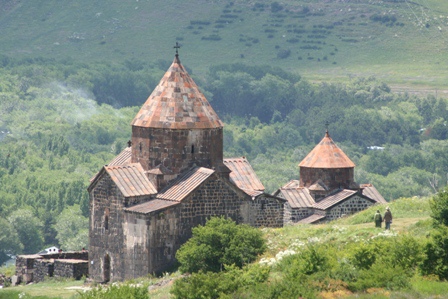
185 183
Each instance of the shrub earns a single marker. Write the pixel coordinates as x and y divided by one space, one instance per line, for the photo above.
215 285
381 275
220 242
283 53
436 251
313 259
439 207
116 291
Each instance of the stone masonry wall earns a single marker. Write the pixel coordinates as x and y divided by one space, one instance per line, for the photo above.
71 268
171 228
350 206
176 149
68 255
106 238
294 215
268 212
43 269
333 178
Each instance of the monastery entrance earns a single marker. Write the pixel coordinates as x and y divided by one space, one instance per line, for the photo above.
106 268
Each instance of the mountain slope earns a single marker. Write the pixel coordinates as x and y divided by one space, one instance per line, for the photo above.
400 40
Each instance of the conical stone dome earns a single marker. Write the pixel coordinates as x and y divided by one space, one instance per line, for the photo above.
326 154
177 103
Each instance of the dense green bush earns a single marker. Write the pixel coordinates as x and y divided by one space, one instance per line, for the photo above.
217 285
381 275
116 291
220 243
436 251
439 207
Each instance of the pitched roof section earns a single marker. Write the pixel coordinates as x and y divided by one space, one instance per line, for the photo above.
326 154
370 191
151 206
311 219
177 103
243 176
334 199
131 180
185 184
297 197
122 158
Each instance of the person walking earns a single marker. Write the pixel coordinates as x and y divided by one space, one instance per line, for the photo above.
378 218
388 218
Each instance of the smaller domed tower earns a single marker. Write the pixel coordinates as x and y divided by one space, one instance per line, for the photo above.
327 168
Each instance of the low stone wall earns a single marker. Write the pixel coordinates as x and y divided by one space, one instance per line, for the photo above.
43 269
25 267
68 255
71 268
36 267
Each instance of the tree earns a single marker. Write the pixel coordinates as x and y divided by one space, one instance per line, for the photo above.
29 230
9 241
439 207
218 243
72 228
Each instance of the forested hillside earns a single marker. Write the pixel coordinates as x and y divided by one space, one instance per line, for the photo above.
61 121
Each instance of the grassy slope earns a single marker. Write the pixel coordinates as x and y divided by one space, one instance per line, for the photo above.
409 55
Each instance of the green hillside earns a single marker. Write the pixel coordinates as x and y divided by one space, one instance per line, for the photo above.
399 41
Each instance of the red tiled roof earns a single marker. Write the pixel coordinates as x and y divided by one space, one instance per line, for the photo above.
326 154
131 180
311 219
177 103
185 184
297 197
334 199
243 176
122 158
370 191
151 206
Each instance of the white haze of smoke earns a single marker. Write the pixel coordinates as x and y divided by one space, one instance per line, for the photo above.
74 105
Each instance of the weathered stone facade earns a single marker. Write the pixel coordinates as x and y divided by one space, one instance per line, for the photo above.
292 216
43 269
71 268
333 178
37 267
350 206
147 243
176 150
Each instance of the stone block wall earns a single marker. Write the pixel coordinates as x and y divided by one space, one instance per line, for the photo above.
350 206
71 268
268 211
68 255
333 178
105 234
25 267
176 149
43 268
292 216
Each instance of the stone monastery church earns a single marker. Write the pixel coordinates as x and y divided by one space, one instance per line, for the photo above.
173 176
